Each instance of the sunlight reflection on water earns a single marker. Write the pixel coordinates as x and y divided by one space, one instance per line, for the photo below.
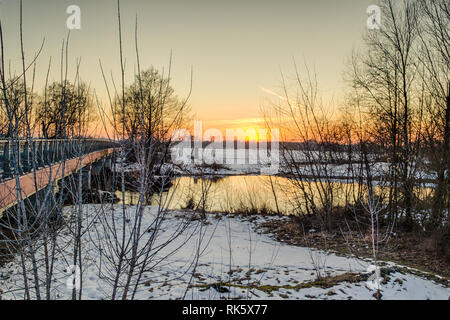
257 194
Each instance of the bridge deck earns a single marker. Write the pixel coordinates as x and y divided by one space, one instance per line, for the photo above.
8 192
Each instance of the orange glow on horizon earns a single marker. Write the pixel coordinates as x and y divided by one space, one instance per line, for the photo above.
251 127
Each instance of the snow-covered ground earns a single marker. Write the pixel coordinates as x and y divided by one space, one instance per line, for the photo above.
333 171
235 261
244 161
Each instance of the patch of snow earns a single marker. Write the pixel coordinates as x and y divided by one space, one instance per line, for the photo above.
231 251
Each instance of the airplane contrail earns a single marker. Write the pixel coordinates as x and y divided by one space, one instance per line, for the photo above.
273 93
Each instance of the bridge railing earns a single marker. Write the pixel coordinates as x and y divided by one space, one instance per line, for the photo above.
44 152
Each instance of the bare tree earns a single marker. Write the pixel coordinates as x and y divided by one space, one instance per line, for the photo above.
16 96
304 119
435 58
65 103
143 114
384 77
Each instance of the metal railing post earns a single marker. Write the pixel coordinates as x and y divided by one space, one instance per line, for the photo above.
25 157
5 161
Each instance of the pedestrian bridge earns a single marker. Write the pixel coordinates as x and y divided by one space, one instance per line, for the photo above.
28 166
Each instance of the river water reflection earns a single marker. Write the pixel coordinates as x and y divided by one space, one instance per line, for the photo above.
254 193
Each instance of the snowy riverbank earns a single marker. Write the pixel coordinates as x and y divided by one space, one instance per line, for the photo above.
234 262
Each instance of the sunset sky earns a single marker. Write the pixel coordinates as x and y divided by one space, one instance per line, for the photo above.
236 48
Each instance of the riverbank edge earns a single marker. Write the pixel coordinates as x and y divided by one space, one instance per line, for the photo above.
278 229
